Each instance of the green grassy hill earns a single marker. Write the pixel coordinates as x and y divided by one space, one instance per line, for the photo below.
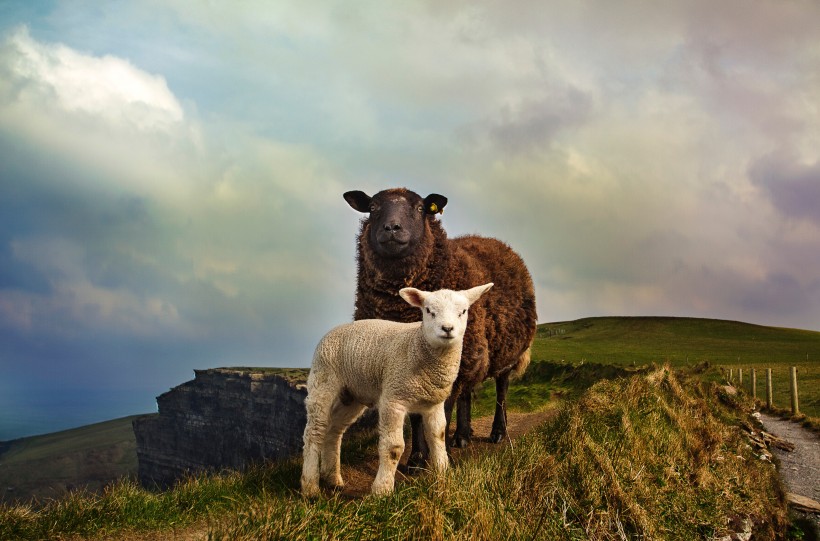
637 341
48 466
678 341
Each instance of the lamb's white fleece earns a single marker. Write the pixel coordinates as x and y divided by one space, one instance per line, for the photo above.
398 367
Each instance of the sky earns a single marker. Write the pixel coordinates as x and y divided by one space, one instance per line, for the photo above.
171 173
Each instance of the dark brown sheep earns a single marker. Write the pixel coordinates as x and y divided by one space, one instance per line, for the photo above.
401 244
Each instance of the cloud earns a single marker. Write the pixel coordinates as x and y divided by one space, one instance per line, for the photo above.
793 187
106 86
149 223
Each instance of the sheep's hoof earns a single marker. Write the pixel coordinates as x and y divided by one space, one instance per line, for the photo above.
497 436
416 463
461 441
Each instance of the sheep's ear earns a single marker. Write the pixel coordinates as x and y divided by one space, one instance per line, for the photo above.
474 293
413 296
434 203
358 200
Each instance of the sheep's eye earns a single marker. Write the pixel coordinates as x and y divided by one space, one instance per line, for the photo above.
431 313
464 312
373 207
420 208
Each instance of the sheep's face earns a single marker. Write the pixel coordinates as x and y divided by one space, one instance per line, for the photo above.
444 312
397 218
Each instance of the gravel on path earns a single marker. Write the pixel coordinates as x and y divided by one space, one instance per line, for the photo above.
799 469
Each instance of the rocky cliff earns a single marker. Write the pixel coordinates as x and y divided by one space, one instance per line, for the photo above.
226 418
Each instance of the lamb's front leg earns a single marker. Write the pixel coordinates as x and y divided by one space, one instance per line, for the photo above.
391 446
435 427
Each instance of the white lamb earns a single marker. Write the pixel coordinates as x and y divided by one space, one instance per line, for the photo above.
400 368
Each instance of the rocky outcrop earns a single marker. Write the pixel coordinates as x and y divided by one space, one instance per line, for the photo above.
226 418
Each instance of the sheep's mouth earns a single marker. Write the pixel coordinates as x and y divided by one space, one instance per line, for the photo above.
392 245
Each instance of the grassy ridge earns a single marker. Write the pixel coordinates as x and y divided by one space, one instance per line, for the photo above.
677 341
48 466
650 456
636 341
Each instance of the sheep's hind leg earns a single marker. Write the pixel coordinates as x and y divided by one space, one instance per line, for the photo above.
342 414
419 452
391 447
499 430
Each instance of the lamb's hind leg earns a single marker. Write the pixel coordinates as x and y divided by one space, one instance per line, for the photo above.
499 431
344 411
317 406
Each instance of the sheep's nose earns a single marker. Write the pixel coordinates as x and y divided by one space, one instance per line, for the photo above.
447 328
393 227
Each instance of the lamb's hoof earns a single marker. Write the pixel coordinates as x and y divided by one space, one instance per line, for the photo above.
416 463
311 490
497 436
461 441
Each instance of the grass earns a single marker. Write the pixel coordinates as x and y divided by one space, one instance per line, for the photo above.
652 455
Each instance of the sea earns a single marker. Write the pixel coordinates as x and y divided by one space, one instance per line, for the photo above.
31 412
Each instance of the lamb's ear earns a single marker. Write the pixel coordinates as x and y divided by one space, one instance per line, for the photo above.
358 200
434 203
474 293
413 296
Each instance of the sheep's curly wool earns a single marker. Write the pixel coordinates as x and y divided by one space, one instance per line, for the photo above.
502 323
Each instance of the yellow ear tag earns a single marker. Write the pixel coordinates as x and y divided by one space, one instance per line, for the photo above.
433 208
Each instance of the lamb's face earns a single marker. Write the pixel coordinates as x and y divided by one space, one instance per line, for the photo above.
444 317
444 312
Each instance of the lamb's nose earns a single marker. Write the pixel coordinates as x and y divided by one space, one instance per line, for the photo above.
392 227
447 328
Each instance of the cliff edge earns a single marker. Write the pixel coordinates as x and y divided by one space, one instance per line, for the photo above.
225 418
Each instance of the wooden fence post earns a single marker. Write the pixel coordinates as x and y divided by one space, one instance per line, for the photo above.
731 375
740 376
769 401
793 387
754 384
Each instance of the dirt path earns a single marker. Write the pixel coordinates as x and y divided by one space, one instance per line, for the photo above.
799 469
359 478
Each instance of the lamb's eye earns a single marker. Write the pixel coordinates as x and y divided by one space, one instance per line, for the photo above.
373 207
420 208
464 312
432 314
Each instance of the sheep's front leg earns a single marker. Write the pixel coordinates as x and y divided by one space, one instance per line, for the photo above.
464 429
435 426
499 431
391 447
418 449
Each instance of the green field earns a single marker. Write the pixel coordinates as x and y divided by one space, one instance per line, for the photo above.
638 341
48 466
